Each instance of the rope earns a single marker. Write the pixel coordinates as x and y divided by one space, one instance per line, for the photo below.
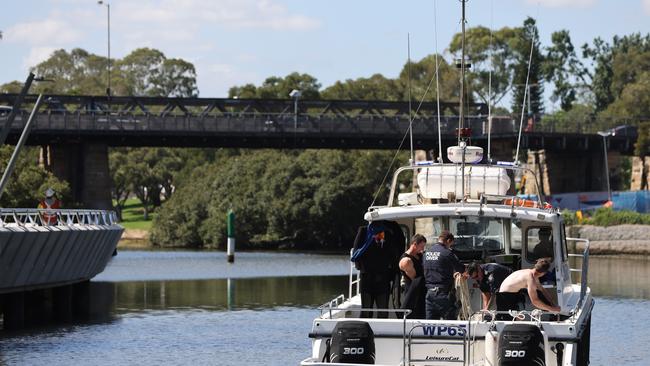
462 295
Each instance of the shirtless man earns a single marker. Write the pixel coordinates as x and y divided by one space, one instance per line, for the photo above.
509 297
413 289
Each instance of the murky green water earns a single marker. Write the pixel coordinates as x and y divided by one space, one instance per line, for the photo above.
192 308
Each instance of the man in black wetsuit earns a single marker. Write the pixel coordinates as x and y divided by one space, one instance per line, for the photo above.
440 264
413 289
489 277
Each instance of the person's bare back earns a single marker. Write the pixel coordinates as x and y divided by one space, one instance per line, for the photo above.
516 281
528 279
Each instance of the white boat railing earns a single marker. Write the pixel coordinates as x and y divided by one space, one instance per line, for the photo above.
513 168
354 282
41 217
584 270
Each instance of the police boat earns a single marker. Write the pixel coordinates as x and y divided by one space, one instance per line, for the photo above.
490 225
477 203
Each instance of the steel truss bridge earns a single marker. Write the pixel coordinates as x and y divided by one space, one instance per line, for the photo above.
276 123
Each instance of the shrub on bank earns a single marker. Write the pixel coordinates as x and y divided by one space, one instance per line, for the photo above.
607 217
312 199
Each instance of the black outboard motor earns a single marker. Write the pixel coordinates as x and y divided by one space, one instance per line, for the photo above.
352 342
521 345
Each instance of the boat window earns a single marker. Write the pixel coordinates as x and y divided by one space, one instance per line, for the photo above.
475 233
539 243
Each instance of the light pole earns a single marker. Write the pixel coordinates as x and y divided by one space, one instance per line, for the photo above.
605 135
108 27
295 94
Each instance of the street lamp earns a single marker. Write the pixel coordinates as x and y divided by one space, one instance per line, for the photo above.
605 135
108 25
295 94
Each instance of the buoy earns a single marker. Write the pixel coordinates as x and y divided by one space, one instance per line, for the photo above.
521 202
231 237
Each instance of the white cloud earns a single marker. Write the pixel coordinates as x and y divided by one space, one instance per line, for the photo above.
646 6
217 78
49 31
37 55
564 3
178 14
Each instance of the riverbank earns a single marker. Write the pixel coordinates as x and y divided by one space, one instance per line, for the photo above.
134 239
619 239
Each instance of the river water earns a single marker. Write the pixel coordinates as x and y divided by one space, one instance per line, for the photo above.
192 308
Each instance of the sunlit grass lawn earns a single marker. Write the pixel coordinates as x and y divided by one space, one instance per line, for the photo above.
133 215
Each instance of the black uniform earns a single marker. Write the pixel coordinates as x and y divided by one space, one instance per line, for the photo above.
439 267
493 276
378 266
414 290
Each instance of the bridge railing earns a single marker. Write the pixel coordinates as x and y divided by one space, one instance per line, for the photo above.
39 217
332 122
263 123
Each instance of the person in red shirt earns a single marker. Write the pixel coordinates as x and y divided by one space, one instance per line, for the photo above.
51 202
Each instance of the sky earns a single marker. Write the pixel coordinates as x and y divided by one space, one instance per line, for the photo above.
234 42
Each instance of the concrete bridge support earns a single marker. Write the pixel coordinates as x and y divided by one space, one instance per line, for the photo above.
85 167
560 172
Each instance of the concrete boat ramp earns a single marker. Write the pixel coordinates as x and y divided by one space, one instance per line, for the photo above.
46 268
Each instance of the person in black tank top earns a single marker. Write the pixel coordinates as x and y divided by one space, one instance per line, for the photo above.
413 288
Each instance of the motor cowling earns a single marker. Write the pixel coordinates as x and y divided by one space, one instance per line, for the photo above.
352 342
521 345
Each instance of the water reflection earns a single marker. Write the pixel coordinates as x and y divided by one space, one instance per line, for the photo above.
626 277
228 294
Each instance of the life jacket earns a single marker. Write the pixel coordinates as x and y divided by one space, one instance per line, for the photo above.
49 218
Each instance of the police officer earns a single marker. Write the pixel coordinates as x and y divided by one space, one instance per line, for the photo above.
440 264
489 276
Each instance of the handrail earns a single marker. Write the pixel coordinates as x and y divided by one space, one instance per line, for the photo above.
352 283
391 197
64 217
584 271
452 341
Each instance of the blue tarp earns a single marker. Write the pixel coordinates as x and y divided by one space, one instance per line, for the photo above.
638 201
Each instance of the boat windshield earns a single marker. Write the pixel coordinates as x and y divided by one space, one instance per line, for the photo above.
477 234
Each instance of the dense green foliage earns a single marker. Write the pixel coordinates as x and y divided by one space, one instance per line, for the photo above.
304 199
143 72
607 217
29 181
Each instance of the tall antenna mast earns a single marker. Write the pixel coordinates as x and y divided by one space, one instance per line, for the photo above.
408 43
462 74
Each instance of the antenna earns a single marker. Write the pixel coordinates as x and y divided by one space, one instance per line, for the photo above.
435 30
489 150
462 73
526 92
408 66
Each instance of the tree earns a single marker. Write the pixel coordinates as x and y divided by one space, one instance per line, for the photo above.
148 72
275 87
143 72
423 77
120 171
493 60
615 65
376 87
563 68
528 37
29 181
303 199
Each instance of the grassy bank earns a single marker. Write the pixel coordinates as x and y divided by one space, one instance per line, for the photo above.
133 216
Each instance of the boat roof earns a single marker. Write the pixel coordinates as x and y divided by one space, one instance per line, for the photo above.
457 209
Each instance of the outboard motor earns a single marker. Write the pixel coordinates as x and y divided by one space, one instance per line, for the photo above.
352 342
521 345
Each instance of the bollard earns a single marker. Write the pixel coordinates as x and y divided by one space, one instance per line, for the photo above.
231 236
